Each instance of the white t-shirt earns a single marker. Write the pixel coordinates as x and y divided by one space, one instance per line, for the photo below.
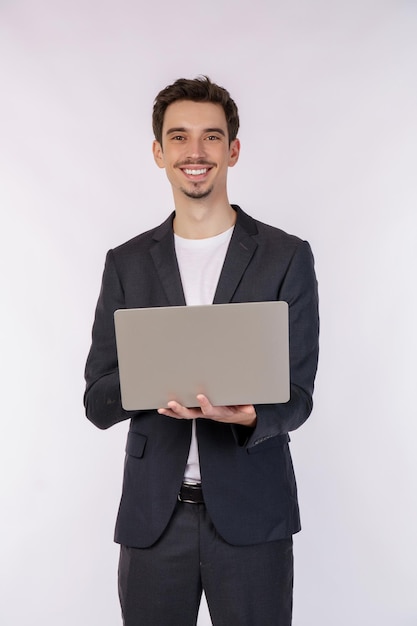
200 262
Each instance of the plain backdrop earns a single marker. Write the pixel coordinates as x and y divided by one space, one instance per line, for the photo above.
327 93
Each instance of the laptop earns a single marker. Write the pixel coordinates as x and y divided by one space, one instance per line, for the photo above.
234 354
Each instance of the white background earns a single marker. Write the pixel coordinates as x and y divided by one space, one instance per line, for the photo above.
328 103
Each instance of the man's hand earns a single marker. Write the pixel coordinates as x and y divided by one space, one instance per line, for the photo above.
240 414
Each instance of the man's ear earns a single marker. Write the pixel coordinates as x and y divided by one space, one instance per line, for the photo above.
158 154
234 152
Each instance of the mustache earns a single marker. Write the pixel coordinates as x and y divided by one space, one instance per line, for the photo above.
202 162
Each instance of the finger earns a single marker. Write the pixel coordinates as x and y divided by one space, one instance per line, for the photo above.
205 404
174 409
175 406
178 408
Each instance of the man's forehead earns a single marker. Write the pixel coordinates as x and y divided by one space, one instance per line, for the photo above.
190 114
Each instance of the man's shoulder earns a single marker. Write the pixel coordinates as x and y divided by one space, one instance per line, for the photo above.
264 232
144 240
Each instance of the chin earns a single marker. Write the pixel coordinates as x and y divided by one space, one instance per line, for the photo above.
197 194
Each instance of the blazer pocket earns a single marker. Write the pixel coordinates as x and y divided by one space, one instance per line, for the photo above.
278 441
135 445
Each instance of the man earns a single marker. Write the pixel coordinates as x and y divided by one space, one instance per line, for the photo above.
209 496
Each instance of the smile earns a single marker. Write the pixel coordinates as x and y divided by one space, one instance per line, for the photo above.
193 172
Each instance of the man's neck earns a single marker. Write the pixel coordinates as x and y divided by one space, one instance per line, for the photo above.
200 220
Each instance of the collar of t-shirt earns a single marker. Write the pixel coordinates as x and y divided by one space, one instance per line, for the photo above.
200 262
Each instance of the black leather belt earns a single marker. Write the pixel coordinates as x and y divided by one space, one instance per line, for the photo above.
191 494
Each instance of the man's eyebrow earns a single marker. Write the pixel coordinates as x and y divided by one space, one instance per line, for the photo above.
216 130
175 130
181 129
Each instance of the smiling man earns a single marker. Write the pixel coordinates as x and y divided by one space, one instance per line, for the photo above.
209 495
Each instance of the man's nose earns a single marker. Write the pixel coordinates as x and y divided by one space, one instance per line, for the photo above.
196 148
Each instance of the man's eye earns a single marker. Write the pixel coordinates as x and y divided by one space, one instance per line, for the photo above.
212 137
178 138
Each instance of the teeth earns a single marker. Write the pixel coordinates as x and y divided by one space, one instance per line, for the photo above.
196 172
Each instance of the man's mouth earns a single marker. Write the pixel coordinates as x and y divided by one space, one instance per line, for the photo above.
195 172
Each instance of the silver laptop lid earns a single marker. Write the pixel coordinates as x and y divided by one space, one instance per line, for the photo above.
232 353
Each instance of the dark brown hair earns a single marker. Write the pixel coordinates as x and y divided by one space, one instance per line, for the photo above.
200 89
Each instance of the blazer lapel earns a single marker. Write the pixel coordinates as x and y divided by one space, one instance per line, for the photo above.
239 254
166 264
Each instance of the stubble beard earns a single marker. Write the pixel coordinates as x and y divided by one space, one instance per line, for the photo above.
196 193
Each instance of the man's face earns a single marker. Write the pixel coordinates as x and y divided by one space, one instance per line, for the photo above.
195 149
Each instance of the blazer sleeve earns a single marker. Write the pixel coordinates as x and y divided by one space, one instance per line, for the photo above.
102 399
299 289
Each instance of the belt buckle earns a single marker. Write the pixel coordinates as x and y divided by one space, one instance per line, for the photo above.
192 487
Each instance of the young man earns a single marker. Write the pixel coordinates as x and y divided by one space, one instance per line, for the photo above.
209 496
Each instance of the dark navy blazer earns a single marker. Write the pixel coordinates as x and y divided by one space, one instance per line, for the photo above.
247 475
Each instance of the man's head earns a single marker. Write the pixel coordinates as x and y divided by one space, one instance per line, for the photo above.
200 89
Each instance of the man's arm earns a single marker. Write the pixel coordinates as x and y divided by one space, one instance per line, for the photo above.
102 399
299 289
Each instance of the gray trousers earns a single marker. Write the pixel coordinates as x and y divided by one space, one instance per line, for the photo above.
244 585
